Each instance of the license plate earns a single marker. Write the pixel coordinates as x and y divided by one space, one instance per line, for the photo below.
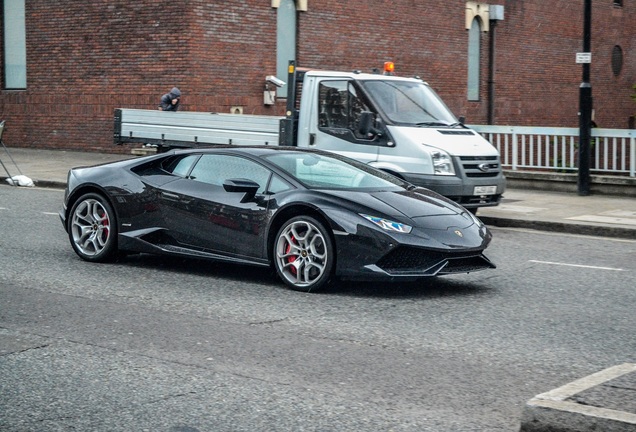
485 190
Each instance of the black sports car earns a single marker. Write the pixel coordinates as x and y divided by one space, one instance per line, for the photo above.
312 215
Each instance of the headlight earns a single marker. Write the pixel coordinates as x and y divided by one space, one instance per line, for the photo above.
387 224
442 162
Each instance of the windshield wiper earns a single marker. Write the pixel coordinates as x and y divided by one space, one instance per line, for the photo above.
439 123
432 123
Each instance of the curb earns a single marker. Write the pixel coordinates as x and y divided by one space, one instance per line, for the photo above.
566 409
562 227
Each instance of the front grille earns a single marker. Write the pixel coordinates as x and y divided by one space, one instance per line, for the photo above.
410 260
481 166
456 132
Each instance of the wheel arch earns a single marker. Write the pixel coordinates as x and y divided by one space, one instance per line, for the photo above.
290 212
77 193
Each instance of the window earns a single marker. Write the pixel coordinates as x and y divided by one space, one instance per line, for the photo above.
180 166
285 40
408 103
340 106
618 3
331 172
474 57
617 60
14 44
215 169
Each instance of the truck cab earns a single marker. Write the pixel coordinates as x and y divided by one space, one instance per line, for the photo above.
396 124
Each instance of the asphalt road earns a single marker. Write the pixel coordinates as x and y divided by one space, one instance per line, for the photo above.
155 344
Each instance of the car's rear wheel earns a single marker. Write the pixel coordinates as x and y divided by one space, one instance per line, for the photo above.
303 254
92 228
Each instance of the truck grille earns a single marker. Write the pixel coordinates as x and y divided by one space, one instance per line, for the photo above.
481 166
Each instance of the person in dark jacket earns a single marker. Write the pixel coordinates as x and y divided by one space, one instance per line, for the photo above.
170 101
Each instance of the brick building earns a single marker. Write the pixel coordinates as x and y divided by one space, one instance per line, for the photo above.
68 64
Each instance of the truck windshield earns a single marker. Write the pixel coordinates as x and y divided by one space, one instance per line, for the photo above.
409 103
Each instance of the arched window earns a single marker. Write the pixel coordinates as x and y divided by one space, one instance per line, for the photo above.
474 50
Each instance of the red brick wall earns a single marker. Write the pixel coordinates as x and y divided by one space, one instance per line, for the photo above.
84 59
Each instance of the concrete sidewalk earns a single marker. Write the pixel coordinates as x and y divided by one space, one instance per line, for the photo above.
602 401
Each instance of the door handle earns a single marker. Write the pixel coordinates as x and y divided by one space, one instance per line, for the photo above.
312 139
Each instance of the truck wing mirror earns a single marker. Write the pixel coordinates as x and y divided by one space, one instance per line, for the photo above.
365 126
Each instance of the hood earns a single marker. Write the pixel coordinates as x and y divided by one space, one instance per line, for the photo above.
175 92
456 141
419 206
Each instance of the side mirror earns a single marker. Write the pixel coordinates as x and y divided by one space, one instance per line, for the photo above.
462 119
365 126
248 187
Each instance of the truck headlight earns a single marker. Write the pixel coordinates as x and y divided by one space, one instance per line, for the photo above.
442 162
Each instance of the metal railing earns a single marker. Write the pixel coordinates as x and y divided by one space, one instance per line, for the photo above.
555 149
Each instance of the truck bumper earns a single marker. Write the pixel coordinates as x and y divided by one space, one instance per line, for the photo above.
460 190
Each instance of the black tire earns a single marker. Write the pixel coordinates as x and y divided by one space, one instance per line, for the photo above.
303 254
92 228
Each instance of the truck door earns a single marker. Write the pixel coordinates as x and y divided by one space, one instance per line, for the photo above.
335 122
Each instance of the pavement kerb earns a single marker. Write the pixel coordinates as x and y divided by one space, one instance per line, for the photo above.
562 227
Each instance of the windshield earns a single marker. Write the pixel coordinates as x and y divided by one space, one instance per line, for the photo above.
409 103
318 171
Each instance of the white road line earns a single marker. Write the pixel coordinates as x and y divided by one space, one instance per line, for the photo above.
577 265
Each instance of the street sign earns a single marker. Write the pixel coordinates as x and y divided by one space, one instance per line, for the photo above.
584 57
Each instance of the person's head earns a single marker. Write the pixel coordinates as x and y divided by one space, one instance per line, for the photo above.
175 93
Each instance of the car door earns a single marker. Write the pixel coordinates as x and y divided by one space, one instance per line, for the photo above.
201 214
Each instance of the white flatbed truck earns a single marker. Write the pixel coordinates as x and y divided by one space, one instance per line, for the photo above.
396 124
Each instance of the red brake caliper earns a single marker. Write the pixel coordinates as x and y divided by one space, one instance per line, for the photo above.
106 225
291 259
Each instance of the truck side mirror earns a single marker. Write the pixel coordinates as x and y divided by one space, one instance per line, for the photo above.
462 119
365 126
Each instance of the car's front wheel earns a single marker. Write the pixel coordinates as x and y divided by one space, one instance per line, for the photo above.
92 228
304 254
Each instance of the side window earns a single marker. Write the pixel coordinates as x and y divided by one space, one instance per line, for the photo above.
278 185
180 166
215 169
339 106
332 104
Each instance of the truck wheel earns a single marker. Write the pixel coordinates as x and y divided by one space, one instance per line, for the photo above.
92 228
303 254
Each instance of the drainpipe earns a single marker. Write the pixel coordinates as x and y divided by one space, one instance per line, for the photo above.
491 74
496 13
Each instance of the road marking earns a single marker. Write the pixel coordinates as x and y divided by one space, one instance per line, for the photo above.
577 265
50 213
